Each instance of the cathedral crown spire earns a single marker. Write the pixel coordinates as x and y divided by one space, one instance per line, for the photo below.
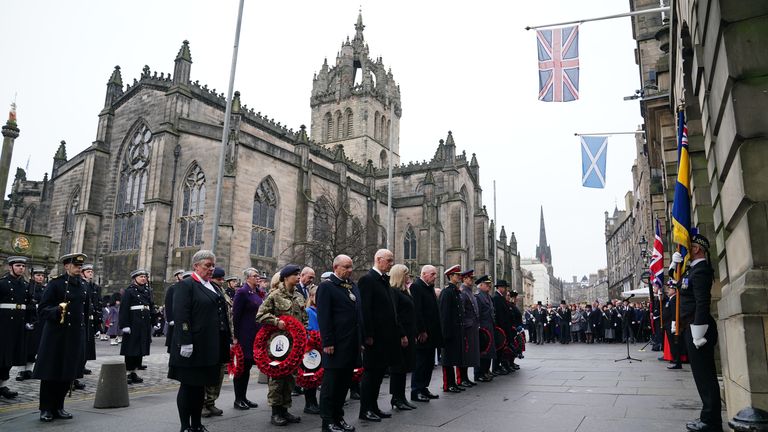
359 27
543 252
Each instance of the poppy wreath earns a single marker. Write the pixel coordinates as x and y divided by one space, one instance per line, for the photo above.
310 378
501 338
236 363
275 367
485 340
357 374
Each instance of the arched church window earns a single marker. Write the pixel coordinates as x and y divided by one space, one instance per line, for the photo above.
132 187
383 129
376 126
69 222
192 208
339 127
29 218
263 223
328 127
350 122
383 159
409 244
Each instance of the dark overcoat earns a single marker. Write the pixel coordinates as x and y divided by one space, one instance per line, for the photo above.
61 353
339 315
696 295
92 318
406 317
136 310
471 324
427 314
169 317
379 321
452 324
33 337
487 320
14 292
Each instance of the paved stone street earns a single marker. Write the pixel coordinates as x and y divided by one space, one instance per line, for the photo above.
559 388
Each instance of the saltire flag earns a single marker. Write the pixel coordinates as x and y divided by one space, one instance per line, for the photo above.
558 64
593 156
681 207
657 258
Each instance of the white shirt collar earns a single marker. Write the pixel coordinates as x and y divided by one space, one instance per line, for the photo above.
206 283
696 261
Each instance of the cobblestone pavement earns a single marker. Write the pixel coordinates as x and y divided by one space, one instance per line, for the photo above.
574 388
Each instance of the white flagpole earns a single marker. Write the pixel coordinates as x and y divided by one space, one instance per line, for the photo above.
609 133
225 132
622 15
495 249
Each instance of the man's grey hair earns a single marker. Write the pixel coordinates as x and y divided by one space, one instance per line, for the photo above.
202 255
250 271
428 268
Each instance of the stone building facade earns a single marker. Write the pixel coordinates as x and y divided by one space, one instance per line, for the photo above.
142 196
621 250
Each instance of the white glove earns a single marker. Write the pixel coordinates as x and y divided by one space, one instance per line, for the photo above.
674 326
126 330
534 320
698 332
677 258
29 326
98 333
170 323
186 351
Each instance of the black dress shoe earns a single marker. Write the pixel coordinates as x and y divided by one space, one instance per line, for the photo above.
399 405
277 419
61 414
354 395
382 414
344 425
24 375
412 406
46 416
312 409
700 426
515 366
241 405
675 366
452 389
77 385
87 371
250 404
471 383
430 395
420 397
369 416
142 367
483 379
8 393
331 427
290 417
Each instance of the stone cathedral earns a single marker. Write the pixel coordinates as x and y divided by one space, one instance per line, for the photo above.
143 194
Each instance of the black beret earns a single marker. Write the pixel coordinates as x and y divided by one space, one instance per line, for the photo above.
289 270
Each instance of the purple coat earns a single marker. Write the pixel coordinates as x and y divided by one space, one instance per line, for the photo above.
244 308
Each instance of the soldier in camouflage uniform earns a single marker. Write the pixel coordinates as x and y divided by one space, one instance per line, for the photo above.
284 300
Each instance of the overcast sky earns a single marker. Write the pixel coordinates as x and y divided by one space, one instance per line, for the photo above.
468 67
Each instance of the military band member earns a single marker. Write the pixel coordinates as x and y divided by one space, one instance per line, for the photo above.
503 321
487 320
36 287
471 352
452 324
93 319
16 321
284 300
339 317
60 356
136 321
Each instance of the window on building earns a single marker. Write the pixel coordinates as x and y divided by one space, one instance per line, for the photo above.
328 127
69 222
409 244
350 122
132 187
376 126
263 223
339 126
192 208
29 218
383 159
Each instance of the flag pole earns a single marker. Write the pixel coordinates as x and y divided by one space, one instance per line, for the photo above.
609 133
225 132
495 222
621 15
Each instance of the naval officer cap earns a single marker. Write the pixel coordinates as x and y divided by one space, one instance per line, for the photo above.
16 260
289 270
74 258
469 273
88 267
326 275
453 270
186 274
483 279
501 283
230 278
38 270
139 272
178 272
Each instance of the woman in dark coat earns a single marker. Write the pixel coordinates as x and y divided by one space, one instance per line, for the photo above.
201 340
247 300
399 280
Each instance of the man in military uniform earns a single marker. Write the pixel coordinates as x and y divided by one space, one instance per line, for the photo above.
16 321
516 320
93 319
178 276
670 328
339 317
36 287
284 300
699 330
487 320
136 321
503 321
62 311
452 324
471 353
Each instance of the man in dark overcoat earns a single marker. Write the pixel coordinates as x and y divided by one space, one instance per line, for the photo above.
16 321
471 353
486 316
339 317
92 320
503 321
178 276
61 353
136 321
36 287
383 336
452 325
429 336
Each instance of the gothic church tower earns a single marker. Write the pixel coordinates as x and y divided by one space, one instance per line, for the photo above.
356 103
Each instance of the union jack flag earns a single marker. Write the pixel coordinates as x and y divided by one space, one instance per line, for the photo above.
657 259
558 64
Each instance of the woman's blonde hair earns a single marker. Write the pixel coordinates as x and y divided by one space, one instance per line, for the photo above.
398 276
275 283
311 301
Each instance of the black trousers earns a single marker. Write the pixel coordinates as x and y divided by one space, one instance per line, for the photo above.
705 375
333 391
422 371
240 383
397 384
189 402
4 373
484 368
52 394
449 377
132 363
370 386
